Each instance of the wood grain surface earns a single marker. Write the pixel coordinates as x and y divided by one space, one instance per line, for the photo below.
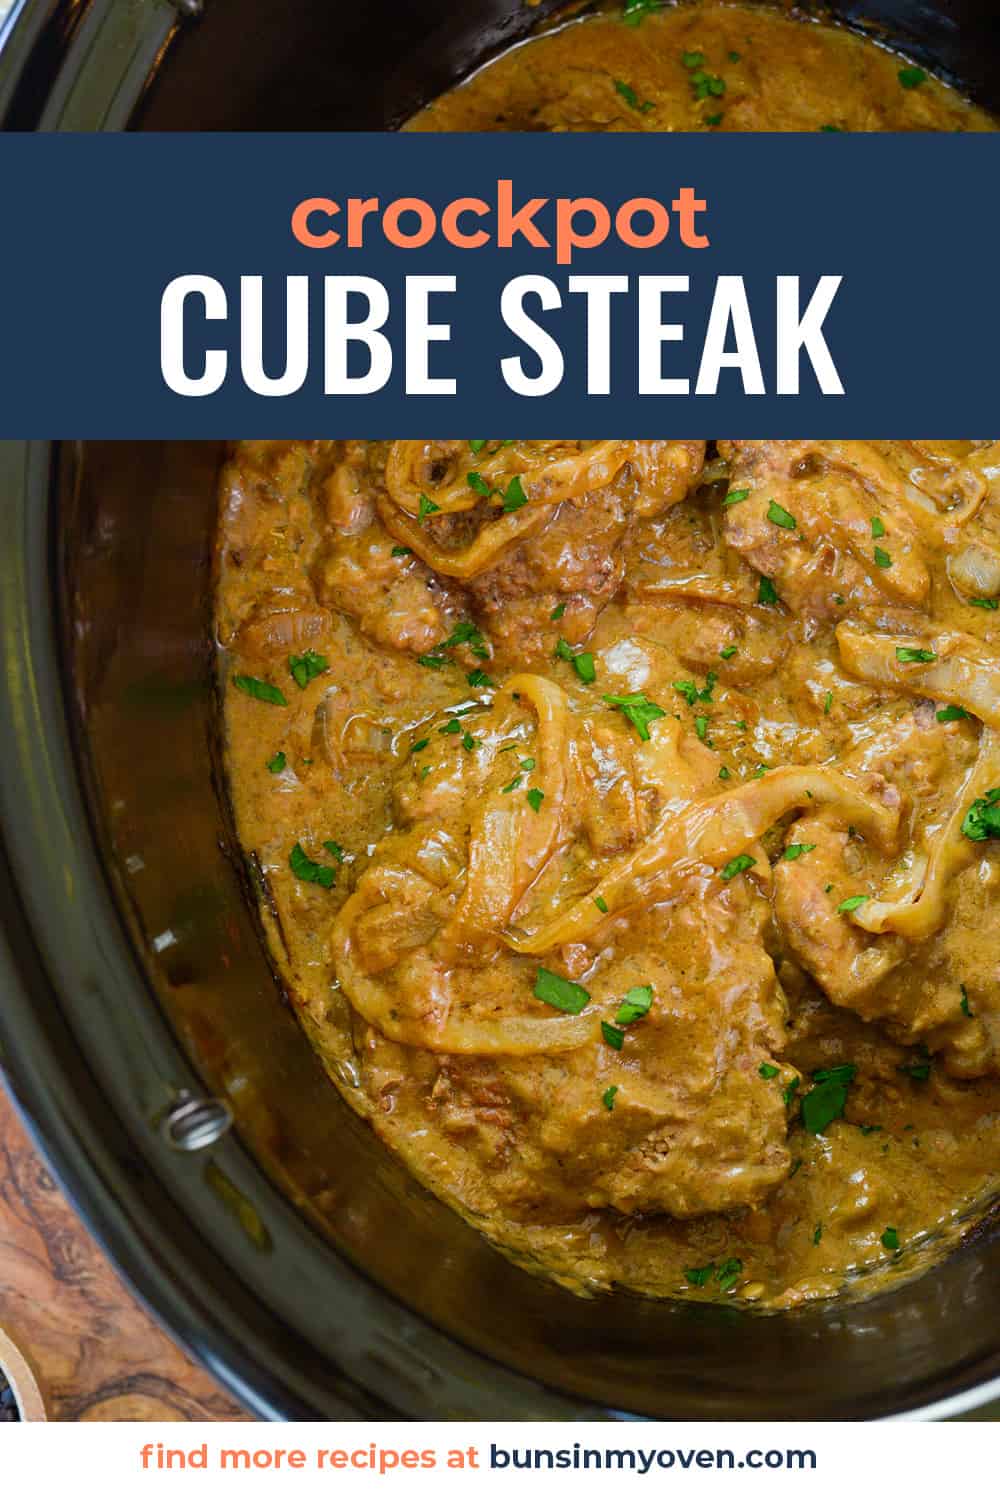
96 1353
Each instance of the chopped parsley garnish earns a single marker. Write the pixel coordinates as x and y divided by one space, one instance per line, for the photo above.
701 727
558 612
425 509
736 866
254 687
825 1101
634 10
832 129
612 1035
628 93
789 1091
432 660
914 653
699 1275
304 868
688 691
949 714
964 1005
780 516
766 591
601 904
468 743
478 678
452 727
514 496
818 1233
561 994
890 1238
306 667
911 77
729 1274
512 786
476 482
768 1070
635 1005
583 661
478 444
985 603
713 119
851 903
827 703
535 798
465 633
756 775
919 1071
419 745
724 773
401 552
795 851
528 764
637 709
735 496
332 847
878 527
692 59
882 558
277 763
982 821
727 652
734 56
608 1097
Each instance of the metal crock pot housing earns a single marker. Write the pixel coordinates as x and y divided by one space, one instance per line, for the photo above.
293 1254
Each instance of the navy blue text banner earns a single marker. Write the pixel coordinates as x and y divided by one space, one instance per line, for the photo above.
191 286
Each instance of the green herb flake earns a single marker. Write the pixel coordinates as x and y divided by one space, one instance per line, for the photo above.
789 1092
478 678
827 703
964 1005
561 994
634 10
478 444
914 653
304 868
476 482
432 660
254 687
514 496
736 496
736 866
713 120
699 1275
277 763
982 821
512 786
692 59
535 798
601 904
419 745
701 726
637 708
608 1097
332 847
401 552
727 653
628 93
688 691
724 773
985 603
825 1101
768 1070
882 558
878 527
890 1238
851 903
426 508
452 727
307 667
612 1035
911 77
729 1274
796 851
558 612
635 1005
766 591
468 743
583 665
780 516
817 1233
734 57
951 713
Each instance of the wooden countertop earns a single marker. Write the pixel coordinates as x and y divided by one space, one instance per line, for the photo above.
97 1355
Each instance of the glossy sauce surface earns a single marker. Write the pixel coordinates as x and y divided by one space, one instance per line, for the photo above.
446 805
580 961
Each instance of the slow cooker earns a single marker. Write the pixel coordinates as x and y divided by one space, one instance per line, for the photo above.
141 1027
